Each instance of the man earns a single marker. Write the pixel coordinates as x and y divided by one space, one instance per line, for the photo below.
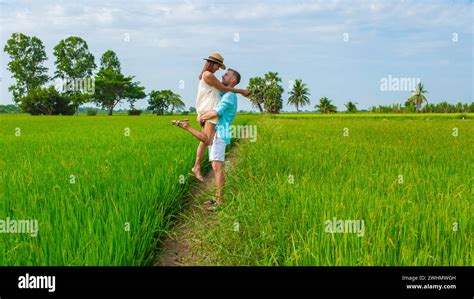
226 111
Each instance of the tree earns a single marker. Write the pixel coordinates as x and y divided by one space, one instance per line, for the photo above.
110 61
27 57
46 101
257 87
176 102
299 95
273 92
73 59
192 110
351 107
267 91
418 97
325 106
135 92
159 101
112 87
74 65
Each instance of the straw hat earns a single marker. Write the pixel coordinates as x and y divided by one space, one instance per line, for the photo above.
217 58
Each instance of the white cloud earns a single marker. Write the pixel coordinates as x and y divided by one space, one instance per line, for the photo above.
324 16
55 10
311 30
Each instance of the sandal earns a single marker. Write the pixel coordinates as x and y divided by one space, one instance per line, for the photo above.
178 122
210 202
213 204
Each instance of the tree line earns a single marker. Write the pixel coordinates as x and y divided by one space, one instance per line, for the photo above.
77 81
268 91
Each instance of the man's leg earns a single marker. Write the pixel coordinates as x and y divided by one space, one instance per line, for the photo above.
201 150
218 167
217 158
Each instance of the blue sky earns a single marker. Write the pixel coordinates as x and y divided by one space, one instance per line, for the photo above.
340 49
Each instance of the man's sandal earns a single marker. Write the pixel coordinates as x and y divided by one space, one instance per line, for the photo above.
212 205
210 202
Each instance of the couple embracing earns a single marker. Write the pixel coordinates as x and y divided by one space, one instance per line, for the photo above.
216 107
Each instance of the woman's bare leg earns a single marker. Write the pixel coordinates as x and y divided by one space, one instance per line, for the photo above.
201 150
206 136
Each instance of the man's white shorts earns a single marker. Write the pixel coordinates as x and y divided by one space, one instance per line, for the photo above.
217 150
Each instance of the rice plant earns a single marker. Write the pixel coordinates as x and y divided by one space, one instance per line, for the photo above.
392 191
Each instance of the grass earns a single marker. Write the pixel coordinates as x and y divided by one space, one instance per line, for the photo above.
425 219
104 198
119 202
364 115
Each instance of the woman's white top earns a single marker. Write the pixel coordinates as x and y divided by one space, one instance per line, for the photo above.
207 98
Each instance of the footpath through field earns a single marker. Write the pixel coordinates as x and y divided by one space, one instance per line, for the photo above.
183 247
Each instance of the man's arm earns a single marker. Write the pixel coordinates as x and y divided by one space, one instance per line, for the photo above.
208 115
224 104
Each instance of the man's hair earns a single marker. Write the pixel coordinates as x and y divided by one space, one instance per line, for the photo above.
236 74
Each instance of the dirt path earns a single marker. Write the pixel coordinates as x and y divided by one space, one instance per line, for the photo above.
183 247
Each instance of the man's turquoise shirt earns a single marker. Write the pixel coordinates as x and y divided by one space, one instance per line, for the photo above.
227 110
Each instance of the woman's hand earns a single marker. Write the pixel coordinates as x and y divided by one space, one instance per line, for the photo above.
246 93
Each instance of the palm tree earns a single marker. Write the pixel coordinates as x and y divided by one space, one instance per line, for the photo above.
272 78
418 97
299 95
351 107
325 106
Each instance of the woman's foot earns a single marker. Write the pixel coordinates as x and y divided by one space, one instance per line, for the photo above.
182 123
197 173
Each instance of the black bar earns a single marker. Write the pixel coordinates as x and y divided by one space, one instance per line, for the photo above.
241 282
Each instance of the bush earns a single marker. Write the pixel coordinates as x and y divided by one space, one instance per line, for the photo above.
134 112
185 113
47 101
91 112
10 108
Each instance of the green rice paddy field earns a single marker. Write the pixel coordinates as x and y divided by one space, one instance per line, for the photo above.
105 189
